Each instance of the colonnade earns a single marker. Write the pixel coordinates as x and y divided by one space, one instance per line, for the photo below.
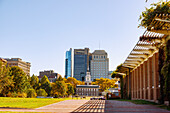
145 80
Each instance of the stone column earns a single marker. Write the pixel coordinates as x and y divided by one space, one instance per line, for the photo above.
132 85
135 84
145 79
150 95
141 83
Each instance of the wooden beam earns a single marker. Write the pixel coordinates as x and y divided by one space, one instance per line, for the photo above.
166 32
142 51
139 55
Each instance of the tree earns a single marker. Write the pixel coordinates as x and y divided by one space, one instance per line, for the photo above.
70 89
41 92
120 72
73 81
5 79
31 93
59 88
20 79
60 79
35 82
105 83
45 84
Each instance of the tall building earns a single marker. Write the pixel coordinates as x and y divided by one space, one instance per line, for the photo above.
50 74
81 63
18 62
68 63
99 65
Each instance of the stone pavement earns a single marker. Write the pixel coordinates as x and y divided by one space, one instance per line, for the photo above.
112 106
95 106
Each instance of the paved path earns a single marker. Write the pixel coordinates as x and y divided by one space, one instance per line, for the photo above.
111 106
98 106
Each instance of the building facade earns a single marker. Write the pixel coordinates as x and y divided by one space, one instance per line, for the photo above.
50 74
87 89
18 62
99 65
68 64
81 63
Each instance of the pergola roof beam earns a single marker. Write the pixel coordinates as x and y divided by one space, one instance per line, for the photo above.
142 51
139 55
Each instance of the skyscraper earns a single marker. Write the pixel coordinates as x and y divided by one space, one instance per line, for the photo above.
81 63
99 65
68 63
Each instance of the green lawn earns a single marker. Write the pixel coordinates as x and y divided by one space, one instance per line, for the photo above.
28 102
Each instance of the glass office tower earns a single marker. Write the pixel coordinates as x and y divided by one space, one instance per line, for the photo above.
68 64
81 63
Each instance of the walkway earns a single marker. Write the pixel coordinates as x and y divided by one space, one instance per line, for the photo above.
98 106
112 106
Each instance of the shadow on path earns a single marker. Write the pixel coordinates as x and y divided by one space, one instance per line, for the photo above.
112 106
91 106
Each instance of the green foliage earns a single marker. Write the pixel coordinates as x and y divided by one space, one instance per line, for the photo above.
5 79
165 71
105 83
60 78
147 16
31 93
59 89
70 89
41 92
73 81
35 82
20 80
45 84
44 80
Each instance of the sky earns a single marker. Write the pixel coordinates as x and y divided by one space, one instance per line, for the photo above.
41 31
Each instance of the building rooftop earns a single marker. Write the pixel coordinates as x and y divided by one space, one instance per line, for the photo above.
99 52
87 86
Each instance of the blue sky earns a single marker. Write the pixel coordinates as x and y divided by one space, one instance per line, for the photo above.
40 31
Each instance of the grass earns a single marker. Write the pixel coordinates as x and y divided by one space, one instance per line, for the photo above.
145 102
29 102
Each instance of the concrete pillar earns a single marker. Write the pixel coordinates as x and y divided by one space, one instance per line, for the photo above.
149 63
135 84
132 85
145 79
141 83
137 81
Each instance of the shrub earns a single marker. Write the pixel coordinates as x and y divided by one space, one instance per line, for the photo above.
41 92
31 93
22 95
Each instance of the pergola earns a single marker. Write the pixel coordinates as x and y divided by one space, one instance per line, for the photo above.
148 44
161 24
